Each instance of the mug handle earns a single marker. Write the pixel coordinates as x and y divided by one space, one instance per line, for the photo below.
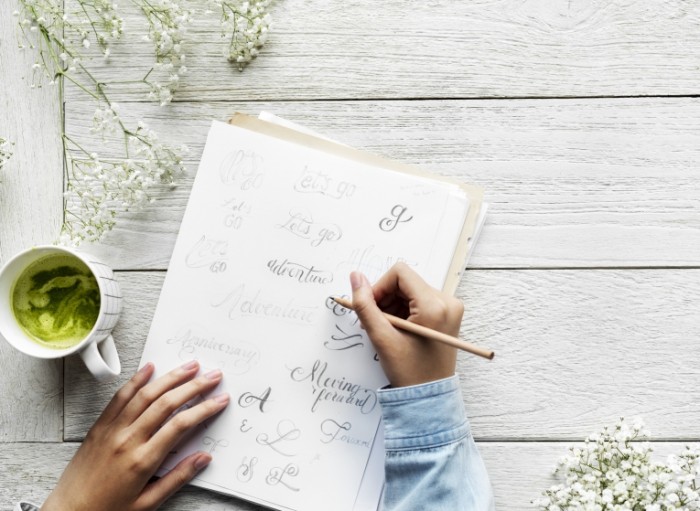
102 362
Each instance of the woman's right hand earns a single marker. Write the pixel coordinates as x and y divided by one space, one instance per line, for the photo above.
407 359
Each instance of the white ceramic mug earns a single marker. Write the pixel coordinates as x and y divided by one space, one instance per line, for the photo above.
97 349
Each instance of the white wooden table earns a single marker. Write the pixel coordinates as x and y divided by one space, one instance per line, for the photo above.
581 120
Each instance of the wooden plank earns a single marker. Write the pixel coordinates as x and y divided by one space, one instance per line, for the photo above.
449 48
575 349
31 210
518 472
572 183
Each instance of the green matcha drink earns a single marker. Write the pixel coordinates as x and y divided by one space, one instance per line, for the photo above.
56 301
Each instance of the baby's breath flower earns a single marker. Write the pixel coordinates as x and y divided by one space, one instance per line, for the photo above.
245 25
98 191
5 151
168 25
60 34
615 472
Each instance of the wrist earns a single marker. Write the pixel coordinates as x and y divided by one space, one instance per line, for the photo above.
423 416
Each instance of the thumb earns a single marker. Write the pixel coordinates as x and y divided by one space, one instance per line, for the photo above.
157 492
366 308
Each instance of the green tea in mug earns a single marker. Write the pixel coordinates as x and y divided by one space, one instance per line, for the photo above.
56 301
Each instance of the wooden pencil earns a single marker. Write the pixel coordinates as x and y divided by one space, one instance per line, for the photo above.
426 332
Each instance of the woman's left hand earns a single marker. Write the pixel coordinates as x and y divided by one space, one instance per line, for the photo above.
130 440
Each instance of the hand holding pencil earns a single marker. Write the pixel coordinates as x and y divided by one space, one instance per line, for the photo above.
407 358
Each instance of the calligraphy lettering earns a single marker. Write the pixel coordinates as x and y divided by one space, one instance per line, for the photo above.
248 398
396 217
277 476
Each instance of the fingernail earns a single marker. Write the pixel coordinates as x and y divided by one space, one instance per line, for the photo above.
222 398
202 461
214 374
189 365
145 368
356 280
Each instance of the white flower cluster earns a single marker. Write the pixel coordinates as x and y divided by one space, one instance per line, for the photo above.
168 22
59 34
98 190
614 472
245 25
5 151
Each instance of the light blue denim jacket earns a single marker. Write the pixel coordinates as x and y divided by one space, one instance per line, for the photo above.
432 463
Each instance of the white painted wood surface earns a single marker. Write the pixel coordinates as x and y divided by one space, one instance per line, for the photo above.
589 149
31 209
519 471
571 183
323 49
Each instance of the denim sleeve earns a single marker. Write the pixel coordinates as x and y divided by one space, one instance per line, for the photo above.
432 461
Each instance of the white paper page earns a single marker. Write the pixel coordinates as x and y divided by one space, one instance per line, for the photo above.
270 231
453 208
373 479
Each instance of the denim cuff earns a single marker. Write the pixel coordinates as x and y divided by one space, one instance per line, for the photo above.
423 416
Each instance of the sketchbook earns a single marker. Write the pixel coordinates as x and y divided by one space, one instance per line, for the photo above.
276 221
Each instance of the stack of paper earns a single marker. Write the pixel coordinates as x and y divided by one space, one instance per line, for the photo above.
277 219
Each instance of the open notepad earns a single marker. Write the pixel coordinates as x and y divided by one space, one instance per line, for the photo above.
276 221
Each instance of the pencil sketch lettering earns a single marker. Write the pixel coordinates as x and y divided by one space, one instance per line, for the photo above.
371 262
344 340
244 169
214 443
237 304
244 473
281 475
333 431
248 398
319 182
236 212
335 390
336 308
208 252
299 272
330 429
287 433
244 426
397 216
302 225
232 356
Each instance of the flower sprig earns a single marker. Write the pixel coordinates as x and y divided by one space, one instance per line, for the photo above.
244 26
613 471
97 191
168 25
5 151
57 33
